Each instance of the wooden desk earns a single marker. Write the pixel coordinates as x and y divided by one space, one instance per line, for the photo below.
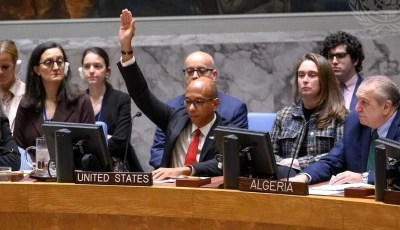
69 206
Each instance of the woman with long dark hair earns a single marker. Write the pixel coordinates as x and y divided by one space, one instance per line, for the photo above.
49 96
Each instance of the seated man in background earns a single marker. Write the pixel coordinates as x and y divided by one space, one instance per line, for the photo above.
352 160
190 147
197 65
345 54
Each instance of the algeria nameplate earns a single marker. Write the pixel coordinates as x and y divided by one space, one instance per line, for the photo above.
114 178
272 186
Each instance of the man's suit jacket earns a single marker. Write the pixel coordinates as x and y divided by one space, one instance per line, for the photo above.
230 108
9 154
28 122
354 99
171 121
351 153
116 113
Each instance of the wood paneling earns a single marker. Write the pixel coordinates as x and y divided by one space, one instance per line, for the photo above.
70 206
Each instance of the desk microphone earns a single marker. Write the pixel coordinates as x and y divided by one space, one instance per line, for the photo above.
138 114
298 146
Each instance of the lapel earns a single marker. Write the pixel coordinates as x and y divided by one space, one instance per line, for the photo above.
366 136
394 128
354 100
37 121
63 111
210 139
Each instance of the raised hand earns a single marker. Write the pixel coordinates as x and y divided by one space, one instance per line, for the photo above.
126 29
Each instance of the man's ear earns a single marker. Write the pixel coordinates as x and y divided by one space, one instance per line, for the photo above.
355 62
214 73
387 105
215 104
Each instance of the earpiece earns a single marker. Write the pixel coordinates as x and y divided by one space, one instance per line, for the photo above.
66 68
17 65
81 73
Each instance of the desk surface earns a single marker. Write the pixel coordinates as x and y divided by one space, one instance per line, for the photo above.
27 205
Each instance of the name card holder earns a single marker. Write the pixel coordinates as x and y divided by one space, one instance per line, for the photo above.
391 197
192 181
273 186
114 178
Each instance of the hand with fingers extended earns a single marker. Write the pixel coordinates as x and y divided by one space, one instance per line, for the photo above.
164 173
126 29
346 177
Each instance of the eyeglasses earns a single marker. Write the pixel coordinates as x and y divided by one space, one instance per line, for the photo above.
49 63
339 56
196 103
200 71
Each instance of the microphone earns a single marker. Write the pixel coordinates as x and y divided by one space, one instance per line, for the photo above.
298 146
138 114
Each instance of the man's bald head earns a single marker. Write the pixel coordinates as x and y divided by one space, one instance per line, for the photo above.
204 86
201 99
199 64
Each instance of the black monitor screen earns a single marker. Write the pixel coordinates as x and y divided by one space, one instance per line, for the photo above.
88 137
249 150
387 164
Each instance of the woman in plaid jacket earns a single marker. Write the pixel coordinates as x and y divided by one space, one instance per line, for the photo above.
309 129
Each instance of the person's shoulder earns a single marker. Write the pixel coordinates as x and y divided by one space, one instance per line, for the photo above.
177 101
119 94
225 98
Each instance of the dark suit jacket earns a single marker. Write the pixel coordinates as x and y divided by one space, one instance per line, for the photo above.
230 108
171 121
9 154
354 99
28 122
351 153
116 113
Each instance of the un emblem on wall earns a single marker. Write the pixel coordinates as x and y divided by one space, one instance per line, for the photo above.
377 14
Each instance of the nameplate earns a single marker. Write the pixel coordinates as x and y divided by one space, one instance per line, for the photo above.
114 178
272 186
391 197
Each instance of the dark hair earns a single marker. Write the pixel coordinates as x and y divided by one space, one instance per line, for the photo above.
330 102
102 53
35 93
353 47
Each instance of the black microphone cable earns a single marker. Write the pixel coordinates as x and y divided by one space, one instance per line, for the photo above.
298 146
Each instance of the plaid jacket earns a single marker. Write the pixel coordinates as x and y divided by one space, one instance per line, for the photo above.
288 133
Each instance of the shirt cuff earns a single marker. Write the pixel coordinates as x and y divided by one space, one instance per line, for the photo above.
308 175
128 63
191 169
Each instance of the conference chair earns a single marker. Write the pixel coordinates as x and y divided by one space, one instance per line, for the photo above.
261 121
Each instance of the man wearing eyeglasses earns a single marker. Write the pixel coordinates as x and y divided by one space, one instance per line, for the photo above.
190 147
197 65
345 54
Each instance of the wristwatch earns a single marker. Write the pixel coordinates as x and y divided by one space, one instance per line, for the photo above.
364 177
126 52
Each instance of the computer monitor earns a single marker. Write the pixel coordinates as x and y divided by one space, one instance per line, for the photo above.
387 166
88 142
245 153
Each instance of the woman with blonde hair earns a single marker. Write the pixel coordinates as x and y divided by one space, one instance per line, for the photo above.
307 130
12 89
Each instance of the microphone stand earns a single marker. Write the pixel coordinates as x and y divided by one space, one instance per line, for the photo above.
138 114
298 146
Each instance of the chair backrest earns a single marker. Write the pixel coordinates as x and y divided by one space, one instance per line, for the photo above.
261 121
